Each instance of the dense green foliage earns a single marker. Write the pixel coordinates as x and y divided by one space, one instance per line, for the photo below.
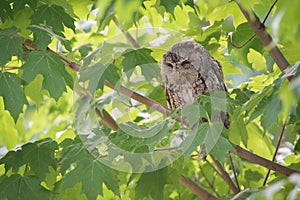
54 145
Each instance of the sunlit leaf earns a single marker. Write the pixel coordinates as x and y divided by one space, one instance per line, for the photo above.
52 69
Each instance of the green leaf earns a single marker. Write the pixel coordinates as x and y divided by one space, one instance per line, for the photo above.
152 184
85 49
52 69
228 25
140 57
11 43
271 112
97 74
169 5
12 160
22 187
106 13
21 4
132 14
73 150
297 147
53 16
12 93
5 10
194 140
221 149
92 174
40 155
41 37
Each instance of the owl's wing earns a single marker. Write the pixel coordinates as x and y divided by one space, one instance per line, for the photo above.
172 98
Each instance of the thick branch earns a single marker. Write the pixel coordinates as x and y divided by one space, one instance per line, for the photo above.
264 162
265 38
196 189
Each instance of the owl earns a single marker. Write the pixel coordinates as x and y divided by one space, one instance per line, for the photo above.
189 71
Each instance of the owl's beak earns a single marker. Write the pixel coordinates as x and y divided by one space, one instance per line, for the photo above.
175 68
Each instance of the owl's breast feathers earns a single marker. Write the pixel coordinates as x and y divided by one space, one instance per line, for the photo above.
184 89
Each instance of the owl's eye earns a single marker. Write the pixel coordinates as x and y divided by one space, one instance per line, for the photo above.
169 65
185 62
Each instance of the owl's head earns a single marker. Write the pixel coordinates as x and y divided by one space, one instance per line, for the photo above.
178 60
187 58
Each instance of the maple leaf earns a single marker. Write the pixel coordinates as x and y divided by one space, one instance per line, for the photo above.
13 95
11 43
52 69
152 184
92 174
140 57
22 187
40 155
97 74
53 16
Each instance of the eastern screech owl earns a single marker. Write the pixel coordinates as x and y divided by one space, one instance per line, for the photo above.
189 70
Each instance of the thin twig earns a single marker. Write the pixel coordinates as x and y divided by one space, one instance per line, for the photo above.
225 176
196 189
253 36
208 182
275 153
270 10
265 38
242 45
234 172
213 167
126 33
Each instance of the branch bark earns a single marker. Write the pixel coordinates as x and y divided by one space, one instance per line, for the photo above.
243 153
196 189
225 176
260 30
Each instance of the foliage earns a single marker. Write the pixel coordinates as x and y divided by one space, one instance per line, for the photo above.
54 145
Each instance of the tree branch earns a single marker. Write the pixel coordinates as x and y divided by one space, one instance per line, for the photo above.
266 39
225 176
253 36
107 119
243 153
196 189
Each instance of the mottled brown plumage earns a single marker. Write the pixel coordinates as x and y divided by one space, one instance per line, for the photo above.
189 70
